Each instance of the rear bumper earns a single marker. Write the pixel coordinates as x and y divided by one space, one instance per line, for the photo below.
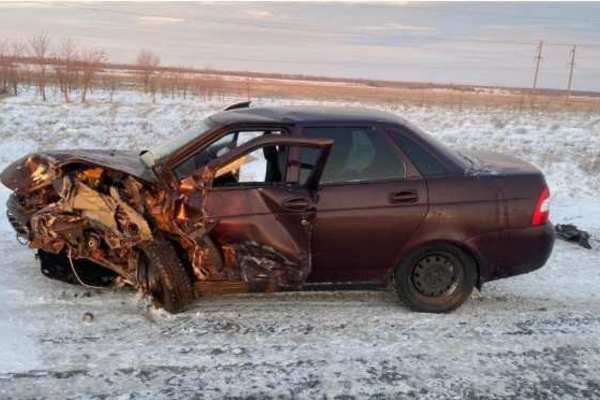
527 249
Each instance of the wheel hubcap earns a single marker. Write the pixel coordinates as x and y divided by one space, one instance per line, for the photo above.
435 275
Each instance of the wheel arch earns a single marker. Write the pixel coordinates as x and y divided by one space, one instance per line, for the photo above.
470 251
211 244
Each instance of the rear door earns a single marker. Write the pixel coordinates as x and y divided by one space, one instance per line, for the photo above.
261 221
371 200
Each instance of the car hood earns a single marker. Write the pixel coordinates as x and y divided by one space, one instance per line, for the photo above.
16 175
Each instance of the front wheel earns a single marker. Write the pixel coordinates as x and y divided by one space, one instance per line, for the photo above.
436 279
162 275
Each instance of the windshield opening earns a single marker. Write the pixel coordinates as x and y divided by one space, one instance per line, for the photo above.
160 151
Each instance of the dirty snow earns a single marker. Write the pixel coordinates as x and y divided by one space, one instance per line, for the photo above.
535 335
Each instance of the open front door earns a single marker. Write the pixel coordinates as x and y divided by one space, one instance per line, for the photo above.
260 221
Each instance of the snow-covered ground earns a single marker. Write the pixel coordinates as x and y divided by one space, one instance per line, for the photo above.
536 335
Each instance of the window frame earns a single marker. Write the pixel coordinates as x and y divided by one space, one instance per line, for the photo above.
437 150
286 181
203 141
410 172
254 185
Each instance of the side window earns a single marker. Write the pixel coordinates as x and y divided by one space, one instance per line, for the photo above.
359 154
216 149
426 163
263 166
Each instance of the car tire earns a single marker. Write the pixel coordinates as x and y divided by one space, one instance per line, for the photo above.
436 279
162 275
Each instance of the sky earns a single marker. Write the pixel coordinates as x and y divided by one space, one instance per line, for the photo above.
462 43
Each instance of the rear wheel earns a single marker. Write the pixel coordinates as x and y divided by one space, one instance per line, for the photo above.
437 279
162 275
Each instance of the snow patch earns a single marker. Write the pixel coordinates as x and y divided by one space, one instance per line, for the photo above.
534 335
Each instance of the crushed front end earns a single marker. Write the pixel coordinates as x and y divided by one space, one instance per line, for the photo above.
96 221
89 223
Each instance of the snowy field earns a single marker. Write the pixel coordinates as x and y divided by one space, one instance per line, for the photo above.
533 336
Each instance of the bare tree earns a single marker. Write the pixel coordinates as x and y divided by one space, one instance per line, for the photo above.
66 70
148 62
196 86
109 81
219 86
184 84
153 84
206 86
4 65
39 46
15 72
91 64
175 81
168 84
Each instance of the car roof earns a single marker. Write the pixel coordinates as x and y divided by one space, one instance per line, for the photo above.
279 115
304 115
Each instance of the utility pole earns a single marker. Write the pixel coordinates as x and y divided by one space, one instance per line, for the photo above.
572 67
538 59
248 85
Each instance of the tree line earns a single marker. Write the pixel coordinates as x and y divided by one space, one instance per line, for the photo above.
75 71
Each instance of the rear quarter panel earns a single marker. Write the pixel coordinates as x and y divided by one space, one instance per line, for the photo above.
480 214
465 211
520 193
526 247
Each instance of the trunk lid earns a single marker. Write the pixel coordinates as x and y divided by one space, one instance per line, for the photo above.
520 185
490 163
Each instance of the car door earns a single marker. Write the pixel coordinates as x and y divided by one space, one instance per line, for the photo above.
371 200
261 222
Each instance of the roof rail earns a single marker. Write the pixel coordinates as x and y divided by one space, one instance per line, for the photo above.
235 106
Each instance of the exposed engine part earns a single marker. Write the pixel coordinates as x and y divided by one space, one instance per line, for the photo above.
91 176
76 275
56 266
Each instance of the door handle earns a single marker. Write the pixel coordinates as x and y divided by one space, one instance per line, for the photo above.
296 204
407 196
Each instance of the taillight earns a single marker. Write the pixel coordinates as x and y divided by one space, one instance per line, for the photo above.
541 212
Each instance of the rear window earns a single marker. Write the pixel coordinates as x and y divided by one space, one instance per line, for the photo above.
423 160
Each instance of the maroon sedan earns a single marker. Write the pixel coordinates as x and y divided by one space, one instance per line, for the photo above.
280 198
